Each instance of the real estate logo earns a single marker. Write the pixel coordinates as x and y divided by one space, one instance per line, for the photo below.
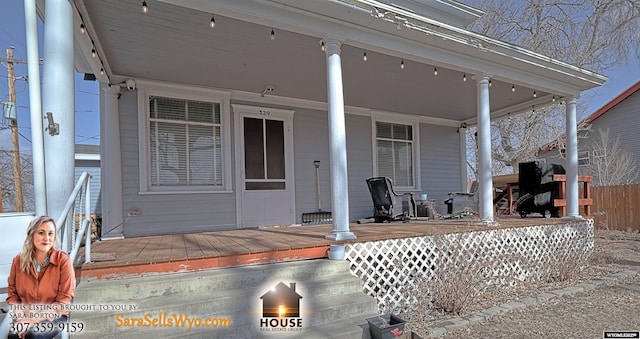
281 309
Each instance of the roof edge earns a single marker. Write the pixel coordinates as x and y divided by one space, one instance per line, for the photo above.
615 101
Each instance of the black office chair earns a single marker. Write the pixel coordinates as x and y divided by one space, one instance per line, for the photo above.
385 202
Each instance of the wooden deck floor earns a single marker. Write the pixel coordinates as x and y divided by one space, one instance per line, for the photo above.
206 250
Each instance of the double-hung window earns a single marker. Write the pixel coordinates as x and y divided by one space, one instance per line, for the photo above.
395 152
186 147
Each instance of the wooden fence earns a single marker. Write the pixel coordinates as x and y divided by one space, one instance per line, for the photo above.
616 207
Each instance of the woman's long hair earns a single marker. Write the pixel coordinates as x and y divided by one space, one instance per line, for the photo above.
28 248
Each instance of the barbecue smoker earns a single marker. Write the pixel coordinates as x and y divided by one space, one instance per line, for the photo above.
537 189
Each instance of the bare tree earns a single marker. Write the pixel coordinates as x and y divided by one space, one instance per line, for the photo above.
609 163
8 183
593 34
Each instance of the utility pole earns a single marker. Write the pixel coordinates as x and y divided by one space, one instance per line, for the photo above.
17 173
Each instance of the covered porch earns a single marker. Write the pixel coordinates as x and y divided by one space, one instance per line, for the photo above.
392 87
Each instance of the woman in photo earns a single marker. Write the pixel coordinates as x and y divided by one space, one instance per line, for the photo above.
41 280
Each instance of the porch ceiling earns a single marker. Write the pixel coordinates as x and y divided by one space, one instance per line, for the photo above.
176 44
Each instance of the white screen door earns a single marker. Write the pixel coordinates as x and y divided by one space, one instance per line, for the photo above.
265 163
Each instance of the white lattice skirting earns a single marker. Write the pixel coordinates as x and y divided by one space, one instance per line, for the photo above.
389 269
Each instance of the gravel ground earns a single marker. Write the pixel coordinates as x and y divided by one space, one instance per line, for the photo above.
603 297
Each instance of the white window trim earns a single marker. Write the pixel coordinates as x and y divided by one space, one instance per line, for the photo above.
583 157
401 120
148 88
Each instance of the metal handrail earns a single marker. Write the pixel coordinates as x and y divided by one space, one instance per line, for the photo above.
85 178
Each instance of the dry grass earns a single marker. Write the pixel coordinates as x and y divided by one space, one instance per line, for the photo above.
460 290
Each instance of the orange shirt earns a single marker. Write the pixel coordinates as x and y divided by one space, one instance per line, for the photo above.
55 284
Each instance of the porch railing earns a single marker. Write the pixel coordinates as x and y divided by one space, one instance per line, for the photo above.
79 207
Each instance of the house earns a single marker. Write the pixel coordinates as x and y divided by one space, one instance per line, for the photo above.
281 301
613 117
87 159
214 112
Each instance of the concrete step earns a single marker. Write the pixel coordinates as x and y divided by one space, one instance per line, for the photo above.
204 281
244 324
352 328
332 300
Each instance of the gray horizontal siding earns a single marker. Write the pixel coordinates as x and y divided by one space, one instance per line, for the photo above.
623 121
193 212
93 168
164 213
311 139
439 162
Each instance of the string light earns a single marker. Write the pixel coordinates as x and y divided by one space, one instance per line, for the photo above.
464 77
101 70
322 46
489 82
553 98
93 52
402 64
513 88
145 8
364 56
435 71
212 23
273 35
534 93
83 29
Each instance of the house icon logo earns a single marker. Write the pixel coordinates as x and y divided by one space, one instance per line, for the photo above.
281 308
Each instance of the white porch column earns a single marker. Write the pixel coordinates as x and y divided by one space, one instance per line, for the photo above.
58 89
572 160
111 163
35 104
485 182
462 133
337 144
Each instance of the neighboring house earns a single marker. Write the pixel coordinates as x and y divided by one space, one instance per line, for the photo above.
214 112
87 159
618 117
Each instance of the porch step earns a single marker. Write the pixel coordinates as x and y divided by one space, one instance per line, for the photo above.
332 301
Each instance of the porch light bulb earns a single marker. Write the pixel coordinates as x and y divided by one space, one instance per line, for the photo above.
101 70
273 35
322 46
513 88
534 93
82 29
435 71
145 8
464 77
212 23
93 52
364 56
402 64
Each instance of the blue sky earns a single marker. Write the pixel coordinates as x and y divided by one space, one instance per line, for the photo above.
12 33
